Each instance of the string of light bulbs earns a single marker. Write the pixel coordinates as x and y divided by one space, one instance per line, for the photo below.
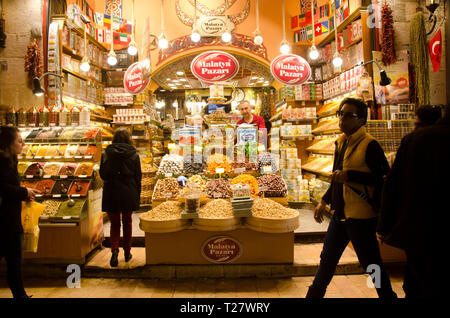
195 36
112 59
162 43
313 52
258 38
337 59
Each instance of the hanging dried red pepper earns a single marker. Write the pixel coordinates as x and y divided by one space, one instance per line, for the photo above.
33 62
387 31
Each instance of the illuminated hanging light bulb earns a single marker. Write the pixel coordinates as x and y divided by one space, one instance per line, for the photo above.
162 42
85 67
258 38
313 53
337 60
195 36
226 37
132 49
284 48
112 59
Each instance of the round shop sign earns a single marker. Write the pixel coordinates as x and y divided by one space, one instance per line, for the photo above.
221 249
290 69
214 66
134 80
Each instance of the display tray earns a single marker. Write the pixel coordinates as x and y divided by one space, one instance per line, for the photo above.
163 226
68 213
228 224
272 225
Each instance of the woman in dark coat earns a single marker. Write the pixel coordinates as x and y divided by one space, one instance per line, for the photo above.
11 197
120 170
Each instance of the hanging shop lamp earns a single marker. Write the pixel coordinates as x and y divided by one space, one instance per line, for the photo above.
258 39
313 52
284 48
112 59
226 36
195 35
84 66
337 59
132 49
162 42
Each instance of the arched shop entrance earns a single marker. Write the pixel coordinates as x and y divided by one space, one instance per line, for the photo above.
173 79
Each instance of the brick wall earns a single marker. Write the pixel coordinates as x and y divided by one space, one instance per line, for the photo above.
20 17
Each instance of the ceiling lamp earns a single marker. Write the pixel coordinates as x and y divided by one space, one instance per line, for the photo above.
313 53
162 42
226 37
284 48
112 59
258 38
132 49
337 59
180 73
195 36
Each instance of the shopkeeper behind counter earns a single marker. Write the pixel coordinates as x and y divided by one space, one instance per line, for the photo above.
248 117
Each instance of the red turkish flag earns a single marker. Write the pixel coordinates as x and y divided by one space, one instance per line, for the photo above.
435 48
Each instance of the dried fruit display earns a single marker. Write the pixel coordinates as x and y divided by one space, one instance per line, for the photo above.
217 209
266 159
68 169
218 188
85 169
61 187
269 209
166 188
51 207
45 186
171 164
33 62
273 185
169 210
52 168
218 161
80 187
247 179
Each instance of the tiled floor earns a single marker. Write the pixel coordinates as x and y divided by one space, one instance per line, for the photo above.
342 286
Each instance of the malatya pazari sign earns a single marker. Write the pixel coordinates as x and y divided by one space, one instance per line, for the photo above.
290 69
214 66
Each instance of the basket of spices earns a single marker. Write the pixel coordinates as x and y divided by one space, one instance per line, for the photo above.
61 187
68 169
45 187
79 188
85 169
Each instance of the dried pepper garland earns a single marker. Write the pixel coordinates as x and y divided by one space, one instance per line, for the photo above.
387 29
33 61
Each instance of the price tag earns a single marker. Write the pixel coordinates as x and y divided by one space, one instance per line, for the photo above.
66 217
56 196
82 176
63 176
38 195
389 124
168 175
48 157
75 195
57 157
220 170
171 146
68 157
267 169
239 170
38 157
20 157
167 195
29 176
47 176
78 157
87 157
44 217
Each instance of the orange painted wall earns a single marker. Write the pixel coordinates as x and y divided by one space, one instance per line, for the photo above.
269 13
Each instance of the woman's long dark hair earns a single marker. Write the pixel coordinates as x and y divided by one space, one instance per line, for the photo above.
122 135
8 135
